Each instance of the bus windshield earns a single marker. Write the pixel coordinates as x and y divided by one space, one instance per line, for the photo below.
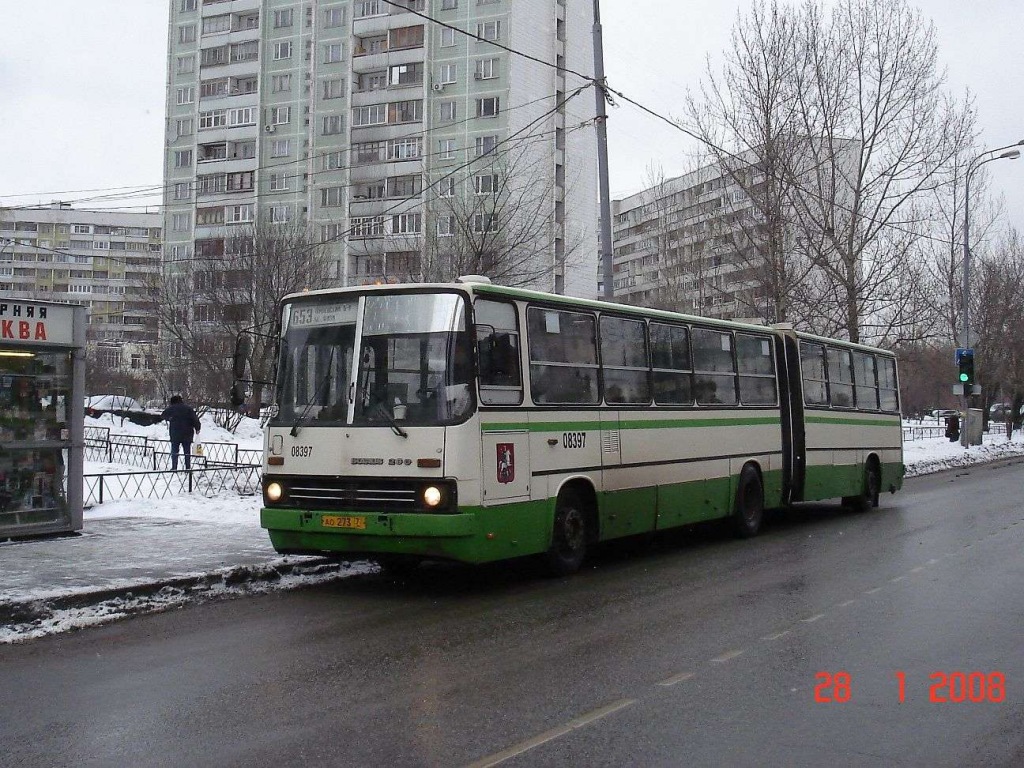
412 365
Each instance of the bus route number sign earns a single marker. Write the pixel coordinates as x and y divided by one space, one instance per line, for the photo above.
574 439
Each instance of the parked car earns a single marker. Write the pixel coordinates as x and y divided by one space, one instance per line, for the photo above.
98 404
944 412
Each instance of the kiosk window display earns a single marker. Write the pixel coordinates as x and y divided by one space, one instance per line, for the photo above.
41 433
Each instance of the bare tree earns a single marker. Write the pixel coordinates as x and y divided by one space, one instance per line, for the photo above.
498 218
869 75
234 283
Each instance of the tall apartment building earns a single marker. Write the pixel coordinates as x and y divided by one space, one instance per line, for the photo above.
102 259
366 119
691 242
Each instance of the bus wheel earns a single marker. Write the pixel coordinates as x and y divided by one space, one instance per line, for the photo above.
872 489
749 507
569 535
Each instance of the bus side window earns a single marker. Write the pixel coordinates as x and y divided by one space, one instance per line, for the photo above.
497 343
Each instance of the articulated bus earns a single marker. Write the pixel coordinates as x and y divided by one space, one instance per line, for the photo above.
474 423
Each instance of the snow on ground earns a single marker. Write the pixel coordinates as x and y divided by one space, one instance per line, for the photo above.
208 548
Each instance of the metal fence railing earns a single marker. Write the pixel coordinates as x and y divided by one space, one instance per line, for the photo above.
219 466
929 432
209 481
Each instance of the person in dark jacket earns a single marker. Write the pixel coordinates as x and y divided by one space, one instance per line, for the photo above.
182 423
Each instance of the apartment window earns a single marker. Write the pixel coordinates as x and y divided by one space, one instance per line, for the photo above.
282 50
487 107
405 111
405 74
405 149
280 214
446 187
334 88
283 18
211 57
180 222
332 197
211 185
370 152
183 158
485 145
332 161
333 53
213 88
487 2
280 83
486 184
334 17
216 118
186 95
367 226
485 222
489 30
449 73
445 226
247 51
405 37
368 8
372 114
447 37
280 115
209 217
406 224
333 124
243 181
184 126
239 214
242 116
187 33
486 69
404 186
182 190
186 64
187 5
446 149
280 147
449 5
449 111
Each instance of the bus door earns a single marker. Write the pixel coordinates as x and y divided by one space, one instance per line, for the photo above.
791 401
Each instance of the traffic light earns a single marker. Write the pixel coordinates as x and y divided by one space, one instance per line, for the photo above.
965 361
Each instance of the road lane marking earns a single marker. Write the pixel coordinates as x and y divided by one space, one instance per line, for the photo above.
813 619
846 603
896 579
933 561
550 735
872 591
917 570
777 635
727 656
676 679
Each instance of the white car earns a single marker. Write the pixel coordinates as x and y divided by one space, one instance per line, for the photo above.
98 404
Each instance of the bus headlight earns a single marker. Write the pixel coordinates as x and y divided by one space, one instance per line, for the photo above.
432 496
274 492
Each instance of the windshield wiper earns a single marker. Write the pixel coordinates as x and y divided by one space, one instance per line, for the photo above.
383 411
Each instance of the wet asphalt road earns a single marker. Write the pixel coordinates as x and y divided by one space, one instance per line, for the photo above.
693 650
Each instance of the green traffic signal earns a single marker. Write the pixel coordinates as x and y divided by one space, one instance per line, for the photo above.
964 377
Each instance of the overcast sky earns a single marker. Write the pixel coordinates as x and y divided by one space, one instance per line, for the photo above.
82 84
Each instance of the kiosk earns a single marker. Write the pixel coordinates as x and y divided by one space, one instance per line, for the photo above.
42 391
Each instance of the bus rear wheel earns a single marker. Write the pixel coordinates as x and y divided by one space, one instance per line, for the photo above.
868 498
748 510
568 536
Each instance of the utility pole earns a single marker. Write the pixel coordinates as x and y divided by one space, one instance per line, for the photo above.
602 155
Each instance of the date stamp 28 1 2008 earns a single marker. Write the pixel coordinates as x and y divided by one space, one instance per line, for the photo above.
944 687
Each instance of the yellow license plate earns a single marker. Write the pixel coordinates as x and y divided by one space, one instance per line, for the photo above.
343 521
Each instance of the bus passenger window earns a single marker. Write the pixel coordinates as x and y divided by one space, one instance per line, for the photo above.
812 366
840 378
497 344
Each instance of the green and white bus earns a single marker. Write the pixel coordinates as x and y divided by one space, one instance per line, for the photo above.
473 422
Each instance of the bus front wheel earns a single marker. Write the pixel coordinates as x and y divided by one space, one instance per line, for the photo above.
568 536
748 510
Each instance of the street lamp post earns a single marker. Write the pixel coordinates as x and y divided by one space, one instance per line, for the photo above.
1006 153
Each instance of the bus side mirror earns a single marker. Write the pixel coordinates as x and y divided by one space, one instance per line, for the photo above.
243 347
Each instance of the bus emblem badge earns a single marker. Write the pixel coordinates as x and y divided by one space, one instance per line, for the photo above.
506 462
